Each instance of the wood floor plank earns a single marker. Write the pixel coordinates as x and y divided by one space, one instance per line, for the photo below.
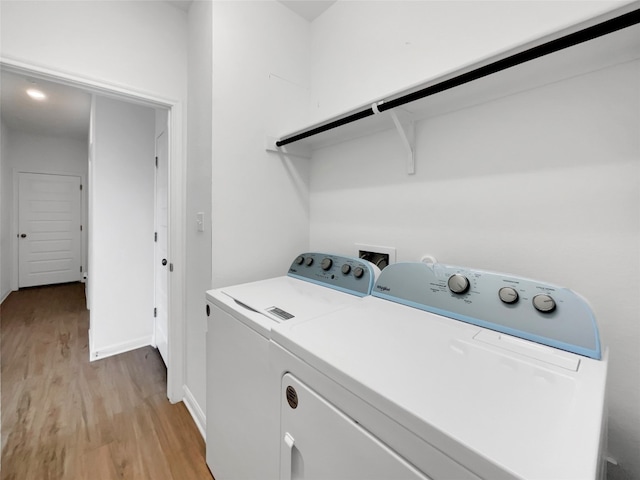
65 418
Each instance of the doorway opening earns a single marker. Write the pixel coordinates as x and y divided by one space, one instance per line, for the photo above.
167 191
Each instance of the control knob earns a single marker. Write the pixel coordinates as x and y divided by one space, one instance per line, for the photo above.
544 303
458 283
346 268
309 261
358 272
326 263
508 295
300 260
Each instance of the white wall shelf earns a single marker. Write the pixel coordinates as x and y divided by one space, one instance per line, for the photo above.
613 48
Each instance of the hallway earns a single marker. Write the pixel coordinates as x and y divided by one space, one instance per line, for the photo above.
66 418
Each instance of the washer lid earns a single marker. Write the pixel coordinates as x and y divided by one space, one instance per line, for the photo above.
500 412
316 284
266 303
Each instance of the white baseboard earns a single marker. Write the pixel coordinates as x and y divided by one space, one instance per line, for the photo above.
5 295
90 343
196 412
160 342
116 349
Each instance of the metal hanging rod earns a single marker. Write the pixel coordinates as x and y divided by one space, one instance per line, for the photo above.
570 40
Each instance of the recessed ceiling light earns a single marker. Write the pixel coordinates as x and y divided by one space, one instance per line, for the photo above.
36 94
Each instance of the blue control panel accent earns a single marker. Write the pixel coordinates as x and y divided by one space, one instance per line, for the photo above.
520 307
346 274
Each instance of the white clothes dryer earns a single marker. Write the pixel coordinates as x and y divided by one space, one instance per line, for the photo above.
444 372
242 401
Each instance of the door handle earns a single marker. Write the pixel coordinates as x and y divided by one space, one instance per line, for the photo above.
23 235
164 261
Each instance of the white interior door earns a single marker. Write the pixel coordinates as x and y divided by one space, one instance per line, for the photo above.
49 222
161 250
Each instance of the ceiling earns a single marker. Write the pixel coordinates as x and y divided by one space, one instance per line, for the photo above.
181 4
308 9
65 112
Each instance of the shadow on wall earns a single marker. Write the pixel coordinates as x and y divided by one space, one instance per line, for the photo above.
615 472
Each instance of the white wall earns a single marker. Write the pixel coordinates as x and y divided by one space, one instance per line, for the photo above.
255 204
30 152
122 225
27 152
260 201
544 184
139 45
362 51
199 184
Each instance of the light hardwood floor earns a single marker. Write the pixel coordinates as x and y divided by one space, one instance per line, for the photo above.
66 418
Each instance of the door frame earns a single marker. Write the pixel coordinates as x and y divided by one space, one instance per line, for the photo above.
15 224
177 202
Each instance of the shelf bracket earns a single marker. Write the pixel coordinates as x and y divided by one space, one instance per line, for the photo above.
408 140
407 136
300 151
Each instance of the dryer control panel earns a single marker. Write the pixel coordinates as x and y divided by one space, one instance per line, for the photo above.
347 274
529 309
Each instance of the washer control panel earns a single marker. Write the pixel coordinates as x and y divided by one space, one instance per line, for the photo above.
521 307
347 274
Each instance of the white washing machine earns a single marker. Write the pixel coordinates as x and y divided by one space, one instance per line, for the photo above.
242 401
444 373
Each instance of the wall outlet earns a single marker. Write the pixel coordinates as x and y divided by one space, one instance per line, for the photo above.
378 255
